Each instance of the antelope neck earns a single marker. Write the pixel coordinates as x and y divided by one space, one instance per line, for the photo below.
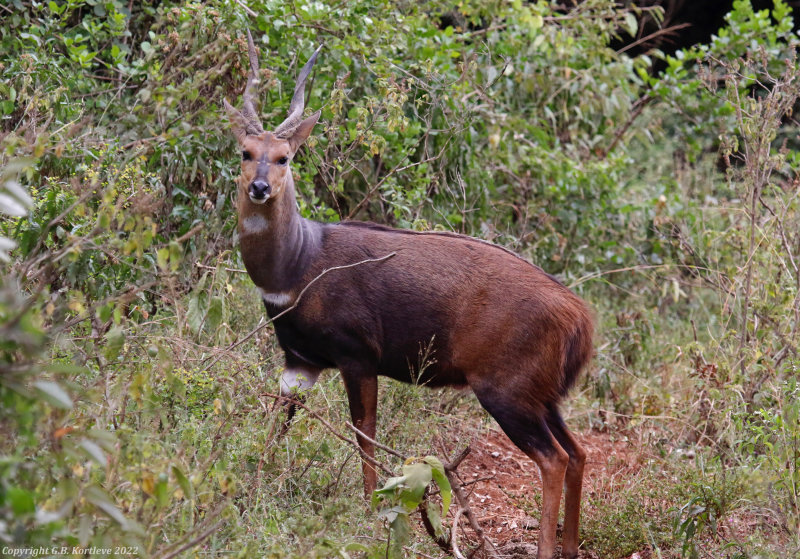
277 243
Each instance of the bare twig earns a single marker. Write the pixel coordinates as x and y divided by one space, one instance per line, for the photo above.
263 323
246 8
394 171
639 105
666 31
205 533
232 270
463 503
199 539
191 233
388 449
453 538
90 312
637 268
330 428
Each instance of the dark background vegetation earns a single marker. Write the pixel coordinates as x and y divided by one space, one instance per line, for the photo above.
654 173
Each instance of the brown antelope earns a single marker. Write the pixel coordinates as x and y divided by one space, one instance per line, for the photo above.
490 320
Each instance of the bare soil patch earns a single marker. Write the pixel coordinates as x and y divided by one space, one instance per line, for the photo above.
505 487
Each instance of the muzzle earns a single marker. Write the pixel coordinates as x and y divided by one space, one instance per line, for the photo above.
259 191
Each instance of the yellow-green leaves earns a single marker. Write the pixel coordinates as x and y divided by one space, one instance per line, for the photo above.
403 494
169 257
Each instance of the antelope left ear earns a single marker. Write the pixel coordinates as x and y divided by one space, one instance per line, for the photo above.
238 121
302 131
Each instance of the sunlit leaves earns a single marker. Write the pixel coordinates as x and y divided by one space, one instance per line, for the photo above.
403 494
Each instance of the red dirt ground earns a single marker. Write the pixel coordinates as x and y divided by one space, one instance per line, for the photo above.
505 495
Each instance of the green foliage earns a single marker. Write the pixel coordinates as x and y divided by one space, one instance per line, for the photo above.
710 501
669 201
704 116
769 434
403 495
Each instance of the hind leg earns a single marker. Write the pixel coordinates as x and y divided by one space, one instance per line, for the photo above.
532 435
573 481
552 464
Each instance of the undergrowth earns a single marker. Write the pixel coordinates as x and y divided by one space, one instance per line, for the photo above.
136 382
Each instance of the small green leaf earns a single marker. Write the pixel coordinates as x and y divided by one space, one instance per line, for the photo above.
434 518
94 451
115 339
631 24
21 500
84 529
54 394
401 530
440 477
418 476
214 314
175 256
183 482
101 500
195 311
162 258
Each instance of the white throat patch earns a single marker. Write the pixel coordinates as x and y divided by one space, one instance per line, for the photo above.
255 223
278 299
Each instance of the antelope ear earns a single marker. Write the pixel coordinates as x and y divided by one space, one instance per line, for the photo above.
238 121
302 131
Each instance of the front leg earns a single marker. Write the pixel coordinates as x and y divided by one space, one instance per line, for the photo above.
362 393
295 382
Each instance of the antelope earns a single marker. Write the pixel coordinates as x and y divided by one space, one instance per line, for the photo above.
491 320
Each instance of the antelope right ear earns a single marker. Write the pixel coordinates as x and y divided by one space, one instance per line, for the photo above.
302 131
238 121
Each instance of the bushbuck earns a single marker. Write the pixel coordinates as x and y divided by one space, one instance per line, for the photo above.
487 318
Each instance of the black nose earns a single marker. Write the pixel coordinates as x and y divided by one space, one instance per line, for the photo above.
260 189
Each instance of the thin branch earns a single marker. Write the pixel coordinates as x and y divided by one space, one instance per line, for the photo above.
90 312
456 462
463 503
388 449
467 483
199 539
453 538
330 428
191 233
653 35
263 324
639 267
49 227
640 104
394 171
246 8
232 270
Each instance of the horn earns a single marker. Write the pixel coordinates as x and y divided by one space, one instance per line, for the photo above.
296 107
253 124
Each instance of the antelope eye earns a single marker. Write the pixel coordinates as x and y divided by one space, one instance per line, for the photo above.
283 161
246 156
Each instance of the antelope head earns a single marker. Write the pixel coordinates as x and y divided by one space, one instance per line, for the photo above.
266 155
